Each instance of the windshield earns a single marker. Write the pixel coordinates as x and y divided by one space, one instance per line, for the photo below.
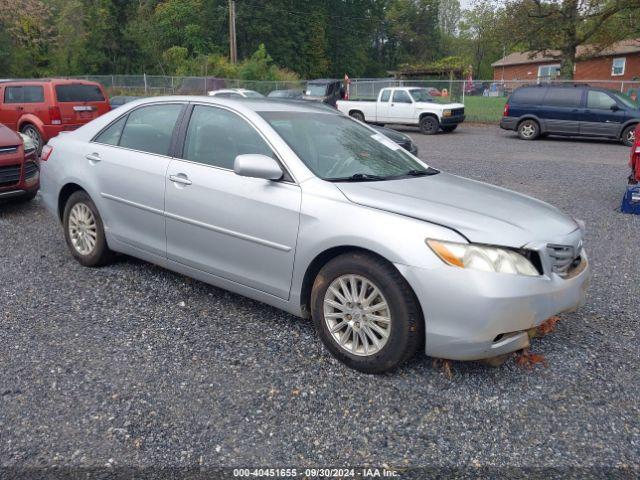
252 94
421 95
316 89
626 100
335 147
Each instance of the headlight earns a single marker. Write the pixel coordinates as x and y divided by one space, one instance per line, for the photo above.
29 144
446 113
483 258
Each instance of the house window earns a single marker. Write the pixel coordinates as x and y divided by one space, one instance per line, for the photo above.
548 72
617 69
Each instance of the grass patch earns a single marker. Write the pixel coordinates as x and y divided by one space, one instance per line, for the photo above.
484 109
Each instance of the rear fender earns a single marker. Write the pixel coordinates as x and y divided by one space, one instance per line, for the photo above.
33 120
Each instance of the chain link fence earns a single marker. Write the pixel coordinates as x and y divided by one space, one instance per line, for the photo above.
484 99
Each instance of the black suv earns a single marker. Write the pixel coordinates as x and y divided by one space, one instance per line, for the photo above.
571 110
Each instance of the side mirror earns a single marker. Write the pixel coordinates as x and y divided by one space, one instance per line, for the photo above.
257 166
615 107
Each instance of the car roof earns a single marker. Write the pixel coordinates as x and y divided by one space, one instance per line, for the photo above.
253 104
61 81
323 80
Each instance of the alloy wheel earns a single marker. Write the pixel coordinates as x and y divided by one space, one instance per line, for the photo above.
33 134
83 229
528 130
357 315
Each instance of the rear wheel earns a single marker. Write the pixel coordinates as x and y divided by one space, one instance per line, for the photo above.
528 130
449 128
33 133
429 125
357 115
84 231
365 313
629 135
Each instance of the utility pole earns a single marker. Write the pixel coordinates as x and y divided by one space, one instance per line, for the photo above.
233 47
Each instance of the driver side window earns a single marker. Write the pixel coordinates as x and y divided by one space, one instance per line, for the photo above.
216 137
400 96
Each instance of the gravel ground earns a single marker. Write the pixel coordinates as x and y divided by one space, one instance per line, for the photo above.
132 365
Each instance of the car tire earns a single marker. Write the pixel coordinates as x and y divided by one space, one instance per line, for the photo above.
357 115
84 231
628 136
528 129
34 133
390 343
449 128
429 125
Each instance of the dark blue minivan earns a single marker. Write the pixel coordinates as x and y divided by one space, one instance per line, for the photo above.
571 110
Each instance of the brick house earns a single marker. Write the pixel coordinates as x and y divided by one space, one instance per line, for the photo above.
619 62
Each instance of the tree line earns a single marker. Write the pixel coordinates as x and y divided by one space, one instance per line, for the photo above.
288 39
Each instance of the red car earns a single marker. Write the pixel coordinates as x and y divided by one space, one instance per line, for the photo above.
44 108
19 169
634 162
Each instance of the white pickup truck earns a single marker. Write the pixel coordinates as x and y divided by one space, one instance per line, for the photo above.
406 106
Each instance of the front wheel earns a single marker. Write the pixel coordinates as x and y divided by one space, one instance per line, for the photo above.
629 136
429 125
449 128
365 313
84 231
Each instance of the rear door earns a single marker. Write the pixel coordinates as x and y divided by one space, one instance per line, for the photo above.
80 103
129 160
603 116
563 110
20 100
238 228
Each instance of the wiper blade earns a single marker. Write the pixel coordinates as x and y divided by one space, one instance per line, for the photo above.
358 177
422 173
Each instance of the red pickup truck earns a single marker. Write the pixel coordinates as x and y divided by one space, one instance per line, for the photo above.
19 169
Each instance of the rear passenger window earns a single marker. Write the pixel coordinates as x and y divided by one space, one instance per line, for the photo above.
527 96
149 129
216 137
600 100
385 95
563 97
26 94
111 136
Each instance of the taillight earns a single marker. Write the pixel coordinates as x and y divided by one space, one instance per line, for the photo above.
55 115
47 150
505 112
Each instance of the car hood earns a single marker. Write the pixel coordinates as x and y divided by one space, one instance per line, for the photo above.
9 138
443 106
482 213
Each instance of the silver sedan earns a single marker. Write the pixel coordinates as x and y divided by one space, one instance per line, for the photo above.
319 215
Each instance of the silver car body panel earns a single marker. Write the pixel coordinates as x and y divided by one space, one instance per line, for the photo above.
258 238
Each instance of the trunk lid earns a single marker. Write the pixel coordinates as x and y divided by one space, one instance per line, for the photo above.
81 102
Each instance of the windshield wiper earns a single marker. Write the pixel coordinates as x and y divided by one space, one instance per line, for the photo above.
422 173
358 177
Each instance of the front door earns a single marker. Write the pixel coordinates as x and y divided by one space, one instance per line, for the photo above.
401 108
603 116
130 159
238 228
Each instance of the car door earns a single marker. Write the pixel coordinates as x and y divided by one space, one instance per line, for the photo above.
130 160
401 108
603 116
562 110
12 106
383 106
238 228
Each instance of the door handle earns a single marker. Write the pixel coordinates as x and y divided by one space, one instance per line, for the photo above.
181 178
93 157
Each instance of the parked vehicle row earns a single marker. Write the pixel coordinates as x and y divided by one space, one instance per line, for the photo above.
303 208
571 110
